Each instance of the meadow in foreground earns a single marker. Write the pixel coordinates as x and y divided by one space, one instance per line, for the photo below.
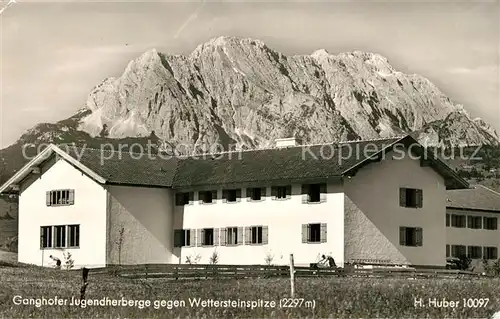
332 297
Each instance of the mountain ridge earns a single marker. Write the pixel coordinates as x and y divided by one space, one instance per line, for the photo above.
238 91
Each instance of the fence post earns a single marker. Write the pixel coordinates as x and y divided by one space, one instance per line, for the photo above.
85 276
292 277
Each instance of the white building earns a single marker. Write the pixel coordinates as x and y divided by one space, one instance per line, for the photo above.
369 200
472 224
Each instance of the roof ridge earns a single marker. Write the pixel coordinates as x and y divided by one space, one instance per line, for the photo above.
308 145
398 137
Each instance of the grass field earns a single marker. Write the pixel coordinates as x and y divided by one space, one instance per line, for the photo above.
323 297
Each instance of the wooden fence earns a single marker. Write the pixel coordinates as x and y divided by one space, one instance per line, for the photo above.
203 271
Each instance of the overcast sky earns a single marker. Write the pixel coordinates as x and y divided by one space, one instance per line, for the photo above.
52 54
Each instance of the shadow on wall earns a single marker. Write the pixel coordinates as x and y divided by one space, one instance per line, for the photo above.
8 224
178 222
145 238
364 240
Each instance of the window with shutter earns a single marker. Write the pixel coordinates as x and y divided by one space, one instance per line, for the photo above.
257 194
256 233
305 233
402 197
281 192
194 237
274 192
447 251
418 237
402 236
323 233
474 252
265 235
247 236
229 195
419 194
60 197
447 220
411 197
216 237
71 200
249 194
239 235
223 237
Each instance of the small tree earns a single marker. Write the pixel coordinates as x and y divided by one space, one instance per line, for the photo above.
119 244
214 258
269 258
69 263
190 259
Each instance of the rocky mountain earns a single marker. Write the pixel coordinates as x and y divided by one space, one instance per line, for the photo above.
239 91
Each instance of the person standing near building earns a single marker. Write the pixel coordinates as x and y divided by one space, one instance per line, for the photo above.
57 261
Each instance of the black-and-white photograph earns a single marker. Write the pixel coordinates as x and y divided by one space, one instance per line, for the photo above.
249 159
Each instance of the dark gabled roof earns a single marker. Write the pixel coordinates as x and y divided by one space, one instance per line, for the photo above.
142 169
478 197
315 162
299 163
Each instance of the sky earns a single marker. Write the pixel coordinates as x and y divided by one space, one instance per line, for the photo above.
53 53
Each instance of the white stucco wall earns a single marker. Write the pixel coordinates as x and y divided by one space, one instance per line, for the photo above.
372 229
472 237
146 215
89 211
283 218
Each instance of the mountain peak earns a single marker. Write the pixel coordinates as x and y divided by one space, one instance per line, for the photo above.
236 90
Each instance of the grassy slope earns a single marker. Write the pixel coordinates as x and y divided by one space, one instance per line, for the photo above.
334 297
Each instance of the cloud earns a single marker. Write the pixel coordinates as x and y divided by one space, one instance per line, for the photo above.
474 70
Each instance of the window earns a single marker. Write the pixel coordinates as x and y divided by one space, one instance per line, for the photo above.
475 252
182 199
314 233
256 194
60 197
232 235
182 238
46 237
410 236
207 197
447 220
474 222
458 251
490 252
281 192
447 251
60 236
458 221
490 223
74 236
207 236
314 193
256 235
231 195
410 197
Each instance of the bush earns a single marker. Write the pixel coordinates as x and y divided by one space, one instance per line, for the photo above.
492 269
464 262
